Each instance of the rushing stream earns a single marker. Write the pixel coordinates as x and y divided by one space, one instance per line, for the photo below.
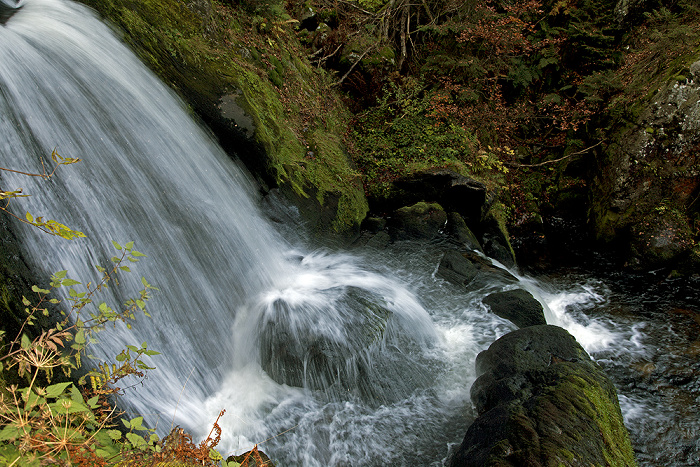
326 357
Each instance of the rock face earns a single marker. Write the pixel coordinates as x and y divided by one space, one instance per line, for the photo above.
518 306
647 189
543 402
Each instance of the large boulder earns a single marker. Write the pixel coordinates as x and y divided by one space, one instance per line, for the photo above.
542 401
496 241
459 232
518 306
456 268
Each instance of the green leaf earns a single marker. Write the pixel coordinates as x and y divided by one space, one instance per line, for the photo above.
215 455
10 432
80 337
56 390
137 253
114 434
25 342
116 245
135 440
38 290
136 423
69 282
125 268
60 274
29 217
129 246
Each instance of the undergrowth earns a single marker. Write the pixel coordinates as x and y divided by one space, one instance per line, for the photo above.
49 415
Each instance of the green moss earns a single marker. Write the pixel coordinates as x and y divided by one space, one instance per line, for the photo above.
586 395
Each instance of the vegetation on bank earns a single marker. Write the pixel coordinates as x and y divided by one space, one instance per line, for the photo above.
530 97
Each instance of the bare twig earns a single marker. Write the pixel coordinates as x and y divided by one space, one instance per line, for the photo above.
347 73
541 164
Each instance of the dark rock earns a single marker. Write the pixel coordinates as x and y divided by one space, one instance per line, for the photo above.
9 8
543 402
453 191
518 306
374 224
420 221
455 268
457 229
489 274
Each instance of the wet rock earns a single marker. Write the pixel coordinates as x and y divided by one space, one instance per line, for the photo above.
518 306
457 269
543 402
457 230
420 221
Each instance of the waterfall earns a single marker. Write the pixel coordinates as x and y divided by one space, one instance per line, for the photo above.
243 321
330 358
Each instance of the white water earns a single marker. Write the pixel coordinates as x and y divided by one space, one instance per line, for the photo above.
377 355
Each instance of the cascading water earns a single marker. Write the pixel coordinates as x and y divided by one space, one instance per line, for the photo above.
332 356
236 300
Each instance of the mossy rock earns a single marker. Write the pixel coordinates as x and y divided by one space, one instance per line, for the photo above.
419 221
543 402
496 241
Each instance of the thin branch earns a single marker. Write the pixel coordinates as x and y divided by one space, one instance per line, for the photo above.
26 173
358 8
541 164
338 83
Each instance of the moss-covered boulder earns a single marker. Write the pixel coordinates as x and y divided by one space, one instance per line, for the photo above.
241 69
543 402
